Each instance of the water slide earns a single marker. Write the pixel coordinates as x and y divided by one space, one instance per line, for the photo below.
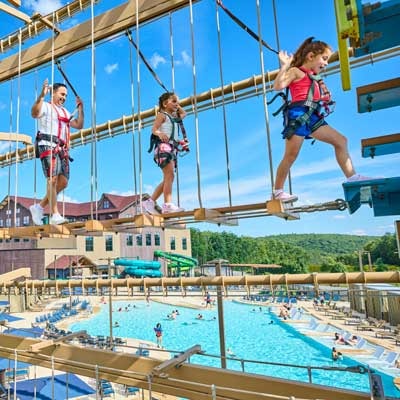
139 268
184 263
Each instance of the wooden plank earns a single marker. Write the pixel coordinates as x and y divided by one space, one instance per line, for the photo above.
128 223
282 210
15 3
84 228
15 137
39 231
378 95
15 13
214 216
380 145
108 24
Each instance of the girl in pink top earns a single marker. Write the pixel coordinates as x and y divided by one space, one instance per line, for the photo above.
298 72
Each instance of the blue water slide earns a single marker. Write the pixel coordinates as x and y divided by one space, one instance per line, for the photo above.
139 272
125 262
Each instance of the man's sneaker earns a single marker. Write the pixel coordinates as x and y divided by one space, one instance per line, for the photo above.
358 177
170 208
57 219
285 197
149 206
37 214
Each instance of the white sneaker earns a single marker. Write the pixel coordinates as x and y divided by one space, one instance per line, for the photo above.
57 219
358 177
37 214
149 206
171 208
285 197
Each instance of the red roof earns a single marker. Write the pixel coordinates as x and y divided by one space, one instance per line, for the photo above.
63 262
117 204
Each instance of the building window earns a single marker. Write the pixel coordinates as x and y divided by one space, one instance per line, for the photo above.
173 243
25 240
18 210
129 240
156 239
184 244
8 222
26 220
139 241
148 239
18 221
89 243
1 223
109 243
106 204
8 212
16 240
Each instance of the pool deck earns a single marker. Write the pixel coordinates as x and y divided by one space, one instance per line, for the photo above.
192 302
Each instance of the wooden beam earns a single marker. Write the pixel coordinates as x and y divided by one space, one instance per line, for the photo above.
213 216
15 3
380 145
85 228
15 13
276 207
110 23
39 231
17 273
15 137
189 381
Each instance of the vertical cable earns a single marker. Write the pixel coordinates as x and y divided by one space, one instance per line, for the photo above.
50 200
194 105
221 75
266 113
139 122
9 150
133 122
15 373
171 44
17 124
36 129
93 171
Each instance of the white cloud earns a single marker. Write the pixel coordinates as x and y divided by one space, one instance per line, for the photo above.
185 60
43 7
110 68
156 60
2 106
63 197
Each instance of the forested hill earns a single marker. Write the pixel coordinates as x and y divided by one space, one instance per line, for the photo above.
296 252
325 244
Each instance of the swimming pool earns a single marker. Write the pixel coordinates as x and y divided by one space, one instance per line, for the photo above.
277 342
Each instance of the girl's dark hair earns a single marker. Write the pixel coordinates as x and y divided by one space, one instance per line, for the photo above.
309 45
57 86
163 97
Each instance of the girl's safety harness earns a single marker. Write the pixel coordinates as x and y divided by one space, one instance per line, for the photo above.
322 107
61 145
178 145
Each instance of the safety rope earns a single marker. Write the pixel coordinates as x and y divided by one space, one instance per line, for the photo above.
245 27
93 171
195 111
221 76
265 101
9 150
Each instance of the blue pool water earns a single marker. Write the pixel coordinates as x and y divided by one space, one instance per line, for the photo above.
247 332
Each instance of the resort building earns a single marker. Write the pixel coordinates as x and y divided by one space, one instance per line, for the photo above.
84 255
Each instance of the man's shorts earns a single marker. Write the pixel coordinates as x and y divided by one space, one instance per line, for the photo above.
313 123
58 165
164 153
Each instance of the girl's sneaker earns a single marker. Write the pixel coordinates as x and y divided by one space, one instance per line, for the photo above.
284 197
149 206
171 208
358 177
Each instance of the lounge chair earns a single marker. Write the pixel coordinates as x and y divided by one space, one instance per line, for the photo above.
376 355
389 361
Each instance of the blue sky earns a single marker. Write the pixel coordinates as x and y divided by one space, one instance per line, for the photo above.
316 177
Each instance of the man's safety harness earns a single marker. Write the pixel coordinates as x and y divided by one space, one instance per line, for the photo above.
180 146
322 107
61 147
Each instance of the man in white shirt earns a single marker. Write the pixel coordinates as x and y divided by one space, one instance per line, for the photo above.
52 145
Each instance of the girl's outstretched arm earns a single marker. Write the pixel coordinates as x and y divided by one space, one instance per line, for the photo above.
286 73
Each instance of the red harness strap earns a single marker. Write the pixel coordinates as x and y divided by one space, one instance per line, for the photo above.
60 143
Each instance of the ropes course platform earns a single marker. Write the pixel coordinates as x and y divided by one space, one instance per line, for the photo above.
15 137
381 145
383 195
221 216
378 96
